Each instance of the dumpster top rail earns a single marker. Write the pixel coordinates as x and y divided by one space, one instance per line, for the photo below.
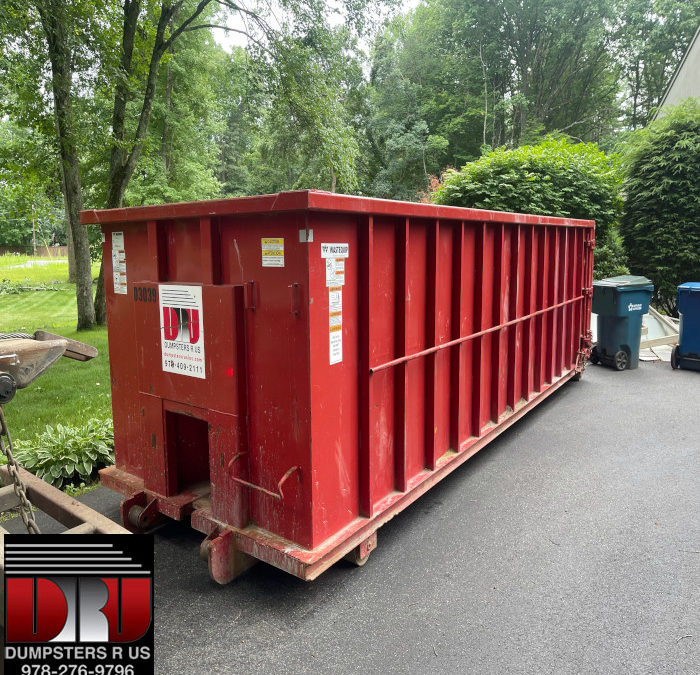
314 200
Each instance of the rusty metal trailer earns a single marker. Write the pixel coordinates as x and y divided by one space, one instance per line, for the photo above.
290 371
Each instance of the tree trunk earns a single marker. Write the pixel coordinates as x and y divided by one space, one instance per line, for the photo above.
486 94
525 91
53 20
69 237
165 140
100 301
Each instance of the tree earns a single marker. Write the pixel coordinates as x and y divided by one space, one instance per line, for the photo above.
58 23
452 79
651 39
306 139
661 221
242 96
180 155
403 150
555 178
139 71
120 46
29 189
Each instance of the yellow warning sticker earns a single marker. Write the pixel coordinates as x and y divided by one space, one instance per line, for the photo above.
272 251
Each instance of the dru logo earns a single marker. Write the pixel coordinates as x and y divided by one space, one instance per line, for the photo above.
77 609
80 601
181 324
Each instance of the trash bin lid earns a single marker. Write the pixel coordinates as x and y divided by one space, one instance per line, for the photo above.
625 282
690 287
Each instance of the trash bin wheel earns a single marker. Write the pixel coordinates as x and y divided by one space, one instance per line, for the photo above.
675 357
621 360
594 357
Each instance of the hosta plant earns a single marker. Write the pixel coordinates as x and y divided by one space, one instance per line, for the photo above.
64 455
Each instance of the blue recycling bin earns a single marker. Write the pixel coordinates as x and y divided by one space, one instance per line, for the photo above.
620 302
686 354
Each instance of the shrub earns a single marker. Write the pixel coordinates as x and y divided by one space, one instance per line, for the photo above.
8 287
65 456
554 178
610 259
661 221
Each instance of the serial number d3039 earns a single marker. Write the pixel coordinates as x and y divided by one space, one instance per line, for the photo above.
75 669
145 294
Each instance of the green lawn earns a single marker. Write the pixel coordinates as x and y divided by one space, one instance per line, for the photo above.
70 392
32 310
25 270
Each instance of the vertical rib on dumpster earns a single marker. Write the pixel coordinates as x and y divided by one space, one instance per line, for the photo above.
500 314
365 269
458 329
431 333
479 324
401 379
469 323
515 332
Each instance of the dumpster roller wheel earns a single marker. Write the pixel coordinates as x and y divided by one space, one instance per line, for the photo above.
360 554
594 357
139 513
225 561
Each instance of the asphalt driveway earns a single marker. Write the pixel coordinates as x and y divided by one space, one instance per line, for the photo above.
571 544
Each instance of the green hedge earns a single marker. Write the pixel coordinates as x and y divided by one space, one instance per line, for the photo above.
554 178
661 221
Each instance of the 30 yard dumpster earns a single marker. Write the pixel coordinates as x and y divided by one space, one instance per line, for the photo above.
620 302
686 354
290 371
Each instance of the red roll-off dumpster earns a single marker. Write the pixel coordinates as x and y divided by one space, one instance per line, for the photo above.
290 371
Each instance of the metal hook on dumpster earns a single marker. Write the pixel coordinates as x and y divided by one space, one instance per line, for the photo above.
279 495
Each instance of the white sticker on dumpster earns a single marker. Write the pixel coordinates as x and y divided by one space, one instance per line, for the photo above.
118 263
272 252
335 250
182 330
335 325
335 272
334 255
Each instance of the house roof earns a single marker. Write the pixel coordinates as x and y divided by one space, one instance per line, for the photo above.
681 67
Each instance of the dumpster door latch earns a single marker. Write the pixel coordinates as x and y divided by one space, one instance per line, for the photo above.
250 295
295 298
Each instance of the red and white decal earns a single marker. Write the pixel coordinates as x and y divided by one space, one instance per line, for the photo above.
182 330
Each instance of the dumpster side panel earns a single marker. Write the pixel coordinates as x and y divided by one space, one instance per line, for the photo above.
497 321
275 316
183 250
334 386
123 353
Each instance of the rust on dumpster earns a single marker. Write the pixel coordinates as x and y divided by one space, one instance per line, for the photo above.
290 371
